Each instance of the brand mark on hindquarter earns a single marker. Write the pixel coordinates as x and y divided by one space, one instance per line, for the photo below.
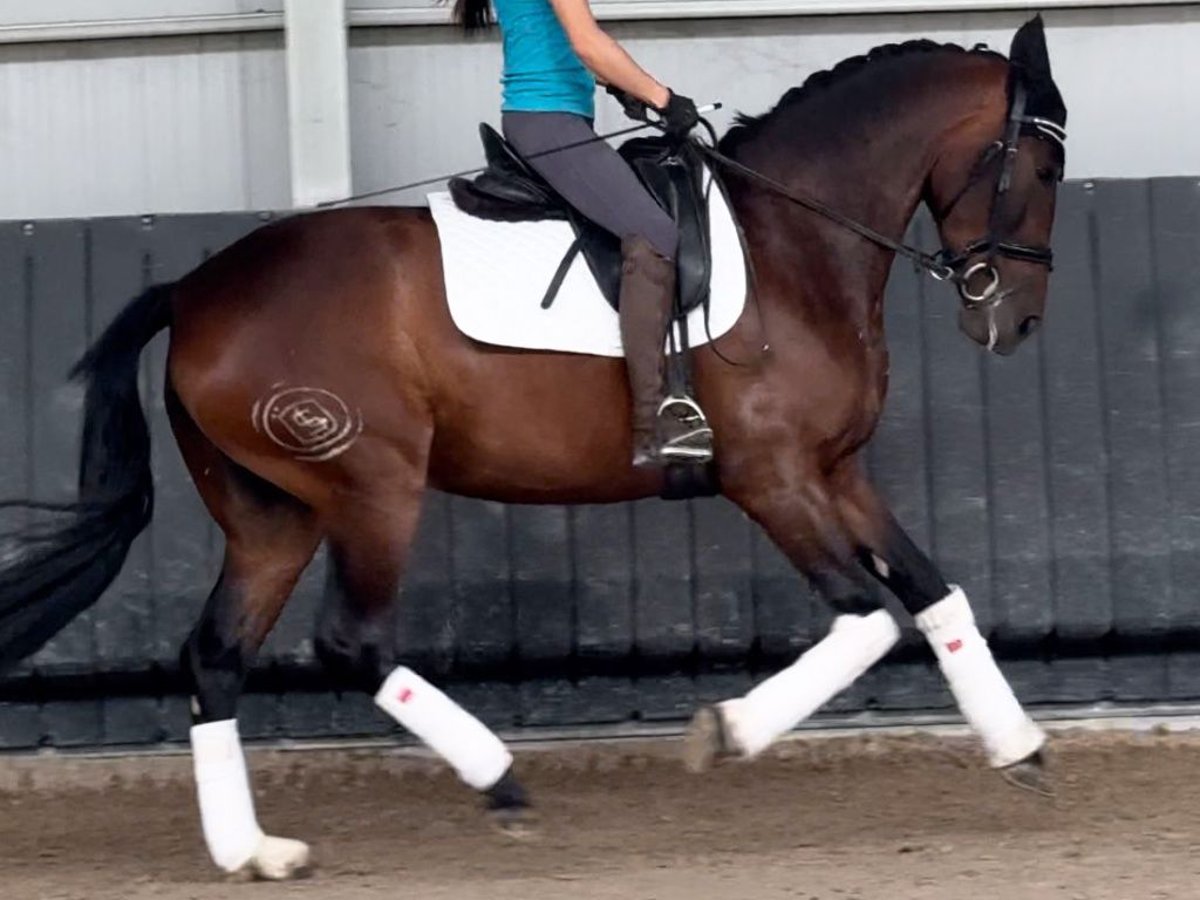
311 423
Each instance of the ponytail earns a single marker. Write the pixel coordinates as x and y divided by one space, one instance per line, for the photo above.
473 15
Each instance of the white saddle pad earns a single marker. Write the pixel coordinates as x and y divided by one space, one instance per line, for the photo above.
497 273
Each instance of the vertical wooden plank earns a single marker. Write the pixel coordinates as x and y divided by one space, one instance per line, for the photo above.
590 701
788 614
16 405
131 721
1175 247
14 362
960 540
74 723
59 252
541 587
496 704
20 725
1183 675
896 685
1018 498
1074 424
602 550
724 591
260 717
427 627
309 714
664 620
481 583
1134 421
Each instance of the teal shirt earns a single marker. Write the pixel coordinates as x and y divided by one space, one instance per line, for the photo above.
542 73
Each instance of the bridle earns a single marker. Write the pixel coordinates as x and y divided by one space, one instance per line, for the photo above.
963 271
947 265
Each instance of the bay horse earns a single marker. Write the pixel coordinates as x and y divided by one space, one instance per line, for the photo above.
317 386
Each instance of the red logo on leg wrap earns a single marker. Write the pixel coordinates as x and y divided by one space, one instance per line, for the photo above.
955 645
405 695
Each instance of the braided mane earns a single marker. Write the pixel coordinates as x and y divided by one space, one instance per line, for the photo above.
746 127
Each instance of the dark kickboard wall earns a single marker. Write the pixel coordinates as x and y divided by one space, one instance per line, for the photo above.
1060 487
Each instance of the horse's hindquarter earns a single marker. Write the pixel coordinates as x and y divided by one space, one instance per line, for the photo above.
289 348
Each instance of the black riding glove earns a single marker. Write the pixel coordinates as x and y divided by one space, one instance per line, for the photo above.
633 107
679 116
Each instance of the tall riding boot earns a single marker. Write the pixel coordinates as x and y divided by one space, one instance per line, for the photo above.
646 301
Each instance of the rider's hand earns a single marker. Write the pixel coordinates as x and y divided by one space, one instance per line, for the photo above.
679 116
634 108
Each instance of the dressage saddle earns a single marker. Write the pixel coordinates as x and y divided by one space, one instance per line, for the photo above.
509 190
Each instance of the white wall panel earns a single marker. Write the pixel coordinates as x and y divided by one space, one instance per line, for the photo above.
47 20
200 122
132 126
1129 76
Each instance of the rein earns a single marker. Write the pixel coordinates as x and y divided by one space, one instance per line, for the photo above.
945 265
438 179
932 263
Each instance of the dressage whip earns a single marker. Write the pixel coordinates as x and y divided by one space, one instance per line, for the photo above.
425 182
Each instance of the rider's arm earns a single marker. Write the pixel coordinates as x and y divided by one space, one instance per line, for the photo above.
604 56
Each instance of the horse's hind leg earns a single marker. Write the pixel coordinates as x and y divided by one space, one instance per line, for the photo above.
368 544
806 527
269 539
1012 740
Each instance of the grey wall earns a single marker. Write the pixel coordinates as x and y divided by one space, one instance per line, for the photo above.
1061 487
199 123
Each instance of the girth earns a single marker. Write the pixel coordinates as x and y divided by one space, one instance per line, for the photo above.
509 190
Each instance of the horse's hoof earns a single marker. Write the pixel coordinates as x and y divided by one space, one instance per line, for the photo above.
705 742
520 823
277 859
509 810
1030 774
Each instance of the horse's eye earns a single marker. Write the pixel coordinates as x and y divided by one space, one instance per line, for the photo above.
1047 174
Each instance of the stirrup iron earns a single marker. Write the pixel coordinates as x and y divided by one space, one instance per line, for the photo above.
695 443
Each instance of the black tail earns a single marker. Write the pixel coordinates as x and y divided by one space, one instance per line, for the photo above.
51 572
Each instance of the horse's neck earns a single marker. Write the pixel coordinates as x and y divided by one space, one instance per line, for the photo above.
871 171
875 171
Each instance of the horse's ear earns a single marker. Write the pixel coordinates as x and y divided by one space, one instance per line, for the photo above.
1030 62
1029 50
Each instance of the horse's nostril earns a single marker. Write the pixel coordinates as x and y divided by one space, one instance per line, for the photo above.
1030 325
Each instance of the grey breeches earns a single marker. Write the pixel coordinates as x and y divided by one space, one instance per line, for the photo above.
593 178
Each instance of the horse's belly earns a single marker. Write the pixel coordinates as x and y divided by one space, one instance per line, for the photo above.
538 428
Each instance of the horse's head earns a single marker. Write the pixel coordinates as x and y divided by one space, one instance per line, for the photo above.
993 194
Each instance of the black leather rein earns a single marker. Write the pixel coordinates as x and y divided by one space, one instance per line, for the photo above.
945 265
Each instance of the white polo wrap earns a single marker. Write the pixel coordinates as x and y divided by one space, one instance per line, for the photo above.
983 694
223 788
779 704
475 753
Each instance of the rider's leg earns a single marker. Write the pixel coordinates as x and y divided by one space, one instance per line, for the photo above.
592 177
597 182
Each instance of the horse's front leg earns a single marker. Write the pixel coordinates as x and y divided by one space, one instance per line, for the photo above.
804 524
943 614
